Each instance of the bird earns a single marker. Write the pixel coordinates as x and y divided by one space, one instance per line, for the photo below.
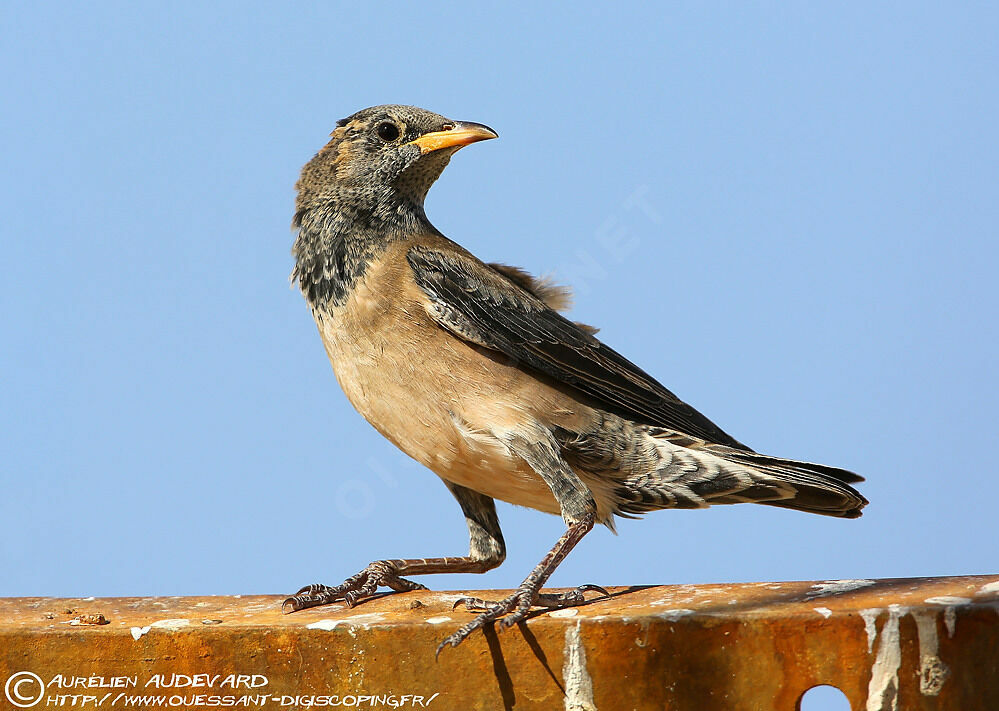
472 369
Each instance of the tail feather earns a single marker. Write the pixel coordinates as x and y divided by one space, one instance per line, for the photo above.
637 469
708 474
764 460
818 488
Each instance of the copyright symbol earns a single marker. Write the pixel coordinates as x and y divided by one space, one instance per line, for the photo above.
24 689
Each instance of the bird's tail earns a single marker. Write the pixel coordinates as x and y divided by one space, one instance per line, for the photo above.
694 474
817 488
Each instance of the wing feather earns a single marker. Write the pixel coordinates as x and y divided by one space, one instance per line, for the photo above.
484 306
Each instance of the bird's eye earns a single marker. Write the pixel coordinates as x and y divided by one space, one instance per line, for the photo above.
387 131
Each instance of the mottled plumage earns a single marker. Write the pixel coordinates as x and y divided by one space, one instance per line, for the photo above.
471 370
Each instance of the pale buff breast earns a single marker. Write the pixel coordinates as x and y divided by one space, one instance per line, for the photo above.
437 398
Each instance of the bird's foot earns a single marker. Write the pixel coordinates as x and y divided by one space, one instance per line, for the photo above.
351 590
553 601
514 609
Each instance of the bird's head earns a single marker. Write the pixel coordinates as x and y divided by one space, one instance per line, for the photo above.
380 162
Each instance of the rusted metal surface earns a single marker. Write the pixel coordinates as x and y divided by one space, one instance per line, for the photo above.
906 644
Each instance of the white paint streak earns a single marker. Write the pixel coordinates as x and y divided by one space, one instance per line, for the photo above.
565 612
833 587
870 619
950 611
950 620
948 600
575 676
171 625
992 587
882 692
327 625
932 672
824 611
674 615
363 620
438 620
139 631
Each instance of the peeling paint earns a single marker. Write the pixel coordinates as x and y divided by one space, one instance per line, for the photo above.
674 615
882 692
566 612
950 611
870 627
327 625
948 600
363 620
950 620
824 611
171 625
932 672
832 587
575 676
992 587
139 631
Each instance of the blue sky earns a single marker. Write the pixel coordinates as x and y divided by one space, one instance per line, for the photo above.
785 213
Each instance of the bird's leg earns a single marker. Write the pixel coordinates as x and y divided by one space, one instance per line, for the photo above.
579 512
515 608
486 551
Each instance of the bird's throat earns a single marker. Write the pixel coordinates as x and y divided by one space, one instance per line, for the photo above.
334 247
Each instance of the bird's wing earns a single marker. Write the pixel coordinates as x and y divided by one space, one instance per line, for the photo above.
480 305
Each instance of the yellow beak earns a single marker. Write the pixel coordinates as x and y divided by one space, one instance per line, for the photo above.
460 134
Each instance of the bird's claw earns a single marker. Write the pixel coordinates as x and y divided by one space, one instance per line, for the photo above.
473 603
568 599
549 600
513 609
352 590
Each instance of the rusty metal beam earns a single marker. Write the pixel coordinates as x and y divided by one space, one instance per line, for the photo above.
904 644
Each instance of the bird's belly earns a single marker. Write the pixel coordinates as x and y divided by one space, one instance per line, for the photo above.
422 398
481 462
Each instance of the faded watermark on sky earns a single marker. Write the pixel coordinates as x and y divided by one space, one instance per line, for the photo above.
357 497
617 238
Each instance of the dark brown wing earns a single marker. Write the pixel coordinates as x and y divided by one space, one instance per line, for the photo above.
478 304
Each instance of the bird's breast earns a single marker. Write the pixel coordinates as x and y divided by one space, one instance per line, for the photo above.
434 396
